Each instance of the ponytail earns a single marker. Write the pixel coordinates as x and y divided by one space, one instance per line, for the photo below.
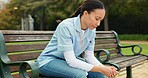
88 5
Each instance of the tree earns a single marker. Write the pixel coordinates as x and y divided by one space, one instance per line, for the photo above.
107 4
45 9
7 20
129 18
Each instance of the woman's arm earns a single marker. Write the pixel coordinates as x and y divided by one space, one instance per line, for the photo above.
109 71
90 58
76 63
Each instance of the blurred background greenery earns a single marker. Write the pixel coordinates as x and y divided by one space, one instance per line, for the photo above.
123 16
136 37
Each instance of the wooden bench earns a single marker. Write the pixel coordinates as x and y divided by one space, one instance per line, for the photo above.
19 50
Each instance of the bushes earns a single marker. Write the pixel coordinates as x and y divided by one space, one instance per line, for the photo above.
133 37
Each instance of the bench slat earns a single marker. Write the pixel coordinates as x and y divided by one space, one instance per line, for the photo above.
105 36
106 46
16 76
104 32
124 58
25 47
113 51
15 38
6 32
14 68
105 41
24 56
128 61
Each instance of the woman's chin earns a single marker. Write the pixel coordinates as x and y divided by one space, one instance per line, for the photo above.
91 28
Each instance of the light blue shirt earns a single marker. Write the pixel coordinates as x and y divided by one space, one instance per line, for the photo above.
67 37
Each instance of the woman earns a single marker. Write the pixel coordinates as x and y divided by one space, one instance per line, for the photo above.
73 37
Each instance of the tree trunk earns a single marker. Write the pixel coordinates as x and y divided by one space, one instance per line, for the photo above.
42 23
106 27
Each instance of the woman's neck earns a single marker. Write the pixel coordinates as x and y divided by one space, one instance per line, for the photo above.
83 25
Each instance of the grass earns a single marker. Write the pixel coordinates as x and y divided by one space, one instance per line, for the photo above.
134 37
128 50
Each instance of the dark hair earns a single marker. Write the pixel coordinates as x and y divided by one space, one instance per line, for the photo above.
89 6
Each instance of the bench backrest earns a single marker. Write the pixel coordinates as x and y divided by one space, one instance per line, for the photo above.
108 40
27 45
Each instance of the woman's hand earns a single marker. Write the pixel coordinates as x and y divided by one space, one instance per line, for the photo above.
114 69
109 71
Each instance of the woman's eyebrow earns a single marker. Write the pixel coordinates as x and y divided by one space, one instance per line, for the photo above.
98 17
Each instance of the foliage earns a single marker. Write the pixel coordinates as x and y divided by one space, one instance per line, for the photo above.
124 16
133 37
7 20
45 12
129 18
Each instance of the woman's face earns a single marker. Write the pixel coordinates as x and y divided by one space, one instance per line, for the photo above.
92 20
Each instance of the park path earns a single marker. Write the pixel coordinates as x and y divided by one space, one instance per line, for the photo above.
140 71
134 42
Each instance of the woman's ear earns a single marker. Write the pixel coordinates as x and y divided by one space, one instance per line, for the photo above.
85 13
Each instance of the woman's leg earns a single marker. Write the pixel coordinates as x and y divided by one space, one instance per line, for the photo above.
95 75
59 69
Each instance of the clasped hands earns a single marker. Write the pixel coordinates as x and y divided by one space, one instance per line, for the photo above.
109 71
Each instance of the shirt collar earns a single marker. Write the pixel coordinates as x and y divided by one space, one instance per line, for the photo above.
77 23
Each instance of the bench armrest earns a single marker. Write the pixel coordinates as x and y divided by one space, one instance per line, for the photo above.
5 70
23 68
106 61
133 48
34 69
98 55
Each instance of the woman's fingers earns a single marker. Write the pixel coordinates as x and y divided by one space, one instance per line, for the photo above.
113 72
110 71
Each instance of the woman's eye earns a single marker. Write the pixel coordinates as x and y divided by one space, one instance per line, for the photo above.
97 19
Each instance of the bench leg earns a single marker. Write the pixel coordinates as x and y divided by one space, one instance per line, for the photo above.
129 72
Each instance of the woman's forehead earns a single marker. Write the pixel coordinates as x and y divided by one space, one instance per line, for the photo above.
98 12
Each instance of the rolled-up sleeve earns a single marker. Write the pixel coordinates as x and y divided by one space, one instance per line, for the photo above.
64 39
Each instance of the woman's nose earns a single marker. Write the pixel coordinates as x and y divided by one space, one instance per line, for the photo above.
98 23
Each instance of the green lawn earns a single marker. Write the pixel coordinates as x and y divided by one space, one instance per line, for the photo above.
128 50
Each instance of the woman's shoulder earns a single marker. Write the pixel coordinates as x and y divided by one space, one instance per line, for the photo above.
67 23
